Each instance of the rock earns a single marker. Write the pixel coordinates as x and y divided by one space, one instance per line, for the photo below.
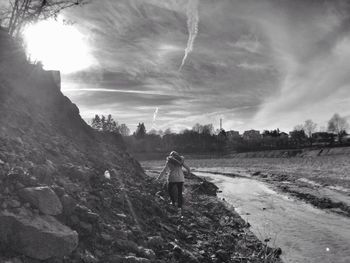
19 185
17 174
155 242
223 255
13 260
147 253
6 191
126 245
13 203
133 259
127 259
106 237
87 257
44 173
59 190
44 198
36 236
86 214
68 204
2 162
86 227
207 188
277 252
74 219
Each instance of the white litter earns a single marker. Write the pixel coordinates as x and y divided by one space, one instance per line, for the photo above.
107 174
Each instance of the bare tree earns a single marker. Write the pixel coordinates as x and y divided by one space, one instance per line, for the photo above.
18 13
309 128
124 130
338 125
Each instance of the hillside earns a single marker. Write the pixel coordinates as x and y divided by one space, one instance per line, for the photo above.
56 205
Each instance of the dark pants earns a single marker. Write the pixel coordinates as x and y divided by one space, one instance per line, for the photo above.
175 190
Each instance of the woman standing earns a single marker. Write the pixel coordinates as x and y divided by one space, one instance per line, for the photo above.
176 178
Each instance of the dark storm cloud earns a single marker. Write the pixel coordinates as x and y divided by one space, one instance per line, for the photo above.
255 63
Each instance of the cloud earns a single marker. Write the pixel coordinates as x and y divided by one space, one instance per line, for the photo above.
256 64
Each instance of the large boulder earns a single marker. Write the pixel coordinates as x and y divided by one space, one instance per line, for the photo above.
44 198
36 236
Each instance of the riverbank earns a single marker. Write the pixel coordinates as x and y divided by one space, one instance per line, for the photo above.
210 230
304 232
323 181
330 197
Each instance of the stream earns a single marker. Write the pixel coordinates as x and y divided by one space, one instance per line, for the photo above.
306 234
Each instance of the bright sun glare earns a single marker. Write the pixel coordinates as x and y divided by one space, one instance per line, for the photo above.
57 46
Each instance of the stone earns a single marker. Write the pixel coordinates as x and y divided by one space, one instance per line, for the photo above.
68 204
2 162
133 259
87 257
19 185
86 227
36 236
155 242
59 190
13 203
6 191
223 255
106 237
74 219
146 253
44 173
126 245
13 260
44 198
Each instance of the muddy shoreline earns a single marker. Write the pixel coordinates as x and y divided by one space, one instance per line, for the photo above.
321 196
210 228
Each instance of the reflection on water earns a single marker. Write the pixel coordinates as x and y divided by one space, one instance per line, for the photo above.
305 234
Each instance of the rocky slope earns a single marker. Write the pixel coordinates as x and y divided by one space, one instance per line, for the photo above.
56 205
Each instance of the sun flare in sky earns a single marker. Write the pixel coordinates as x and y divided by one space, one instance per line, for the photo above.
58 46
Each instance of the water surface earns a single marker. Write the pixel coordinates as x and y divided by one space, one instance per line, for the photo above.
305 234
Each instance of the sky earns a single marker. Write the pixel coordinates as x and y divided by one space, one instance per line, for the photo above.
256 64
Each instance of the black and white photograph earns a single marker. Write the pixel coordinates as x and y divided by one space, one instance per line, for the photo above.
174 131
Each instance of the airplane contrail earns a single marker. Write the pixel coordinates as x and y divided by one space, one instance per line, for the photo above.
192 26
155 114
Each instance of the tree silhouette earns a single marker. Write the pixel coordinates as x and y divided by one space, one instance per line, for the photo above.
338 125
19 13
124 130
309 128
96 123
105 124
298 136
140 131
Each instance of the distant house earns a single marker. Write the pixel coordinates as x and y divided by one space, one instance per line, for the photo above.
251 135
233 135
322 137
284 135
346 138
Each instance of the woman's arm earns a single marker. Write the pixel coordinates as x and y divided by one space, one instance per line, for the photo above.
187 168
164 171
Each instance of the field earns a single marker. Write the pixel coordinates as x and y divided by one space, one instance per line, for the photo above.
325 170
